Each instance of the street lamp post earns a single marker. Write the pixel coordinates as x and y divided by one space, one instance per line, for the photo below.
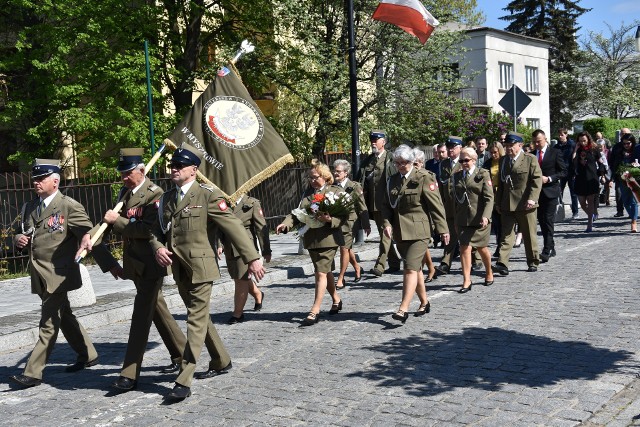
638 39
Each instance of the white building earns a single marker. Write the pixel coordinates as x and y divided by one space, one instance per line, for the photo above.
494 60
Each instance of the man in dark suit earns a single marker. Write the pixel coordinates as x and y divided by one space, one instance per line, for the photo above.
52 227
189 216
553 170
376 170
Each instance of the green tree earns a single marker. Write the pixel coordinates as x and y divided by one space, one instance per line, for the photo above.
611 73
556 22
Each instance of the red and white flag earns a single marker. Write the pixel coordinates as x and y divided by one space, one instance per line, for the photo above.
410 15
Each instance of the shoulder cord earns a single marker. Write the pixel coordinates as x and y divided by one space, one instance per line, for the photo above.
506 178
460 200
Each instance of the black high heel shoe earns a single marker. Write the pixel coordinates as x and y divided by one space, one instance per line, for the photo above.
358 277
400 315
464 290
423 309
429 279
311 319
335 308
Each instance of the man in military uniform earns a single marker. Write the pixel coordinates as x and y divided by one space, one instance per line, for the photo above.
134 223
517 201
187 218
376 170
448 167
52 227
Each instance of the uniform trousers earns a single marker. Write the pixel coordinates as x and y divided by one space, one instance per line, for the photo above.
385 249
526 221
150 306
56 315
200 331
450 249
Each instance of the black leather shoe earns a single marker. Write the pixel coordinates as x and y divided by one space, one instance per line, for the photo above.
170 369
423 309
552 252
125 384
488 282
544 257
358 276
80 365
392 270
233 319
532 269
179 392
258 306
335 308
400 315
25 381
311 319
442 269
464 290
376 273
500 268
213 372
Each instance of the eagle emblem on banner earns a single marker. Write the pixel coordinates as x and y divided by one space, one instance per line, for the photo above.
233 122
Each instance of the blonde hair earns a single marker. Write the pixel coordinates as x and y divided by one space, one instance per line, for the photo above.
323 170
470 152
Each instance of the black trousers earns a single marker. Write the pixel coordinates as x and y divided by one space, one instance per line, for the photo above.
546 213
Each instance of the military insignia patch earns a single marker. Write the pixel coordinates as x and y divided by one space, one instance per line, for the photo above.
433 186
222 205
260 212
223 72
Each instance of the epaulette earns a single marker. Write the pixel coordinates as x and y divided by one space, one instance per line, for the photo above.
153 187
207 187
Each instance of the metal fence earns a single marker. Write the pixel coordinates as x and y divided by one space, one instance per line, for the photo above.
97 193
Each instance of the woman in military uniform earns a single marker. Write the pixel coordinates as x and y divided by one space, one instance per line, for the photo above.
412 203
473 194
419 163
322 243
250 213
341 170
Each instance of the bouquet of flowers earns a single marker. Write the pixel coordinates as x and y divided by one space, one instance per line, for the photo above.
334 204
631 175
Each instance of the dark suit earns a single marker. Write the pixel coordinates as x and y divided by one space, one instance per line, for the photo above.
137 217
188 228
554 167
57 232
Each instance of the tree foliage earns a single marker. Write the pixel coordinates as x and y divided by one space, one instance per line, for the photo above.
76 68
611 73
556 22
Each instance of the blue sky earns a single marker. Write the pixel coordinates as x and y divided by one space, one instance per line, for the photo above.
613 12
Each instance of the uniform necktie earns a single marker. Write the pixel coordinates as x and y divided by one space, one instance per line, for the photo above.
180 195
41 207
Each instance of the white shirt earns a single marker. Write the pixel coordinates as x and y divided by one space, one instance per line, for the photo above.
185 188
48 200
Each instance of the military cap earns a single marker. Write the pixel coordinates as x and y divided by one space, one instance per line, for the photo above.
513 137
45 167
454 140
187 155
129 158
377 134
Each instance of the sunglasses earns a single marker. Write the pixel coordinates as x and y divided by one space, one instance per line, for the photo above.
465 160
177 166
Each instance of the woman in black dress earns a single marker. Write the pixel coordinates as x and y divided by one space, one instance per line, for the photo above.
587 171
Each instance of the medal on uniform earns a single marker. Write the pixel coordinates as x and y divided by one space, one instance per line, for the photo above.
55 222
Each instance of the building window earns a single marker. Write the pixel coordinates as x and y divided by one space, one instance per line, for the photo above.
531 74
533 123
506 76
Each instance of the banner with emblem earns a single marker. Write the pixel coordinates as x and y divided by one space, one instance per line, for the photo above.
240 147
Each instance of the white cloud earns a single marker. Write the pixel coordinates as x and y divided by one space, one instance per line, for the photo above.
626 7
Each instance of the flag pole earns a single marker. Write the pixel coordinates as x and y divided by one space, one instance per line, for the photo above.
150 103
353 93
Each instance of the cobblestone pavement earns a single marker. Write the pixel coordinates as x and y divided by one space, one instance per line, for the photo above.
559 347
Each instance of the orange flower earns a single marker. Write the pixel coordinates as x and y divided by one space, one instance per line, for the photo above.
318 197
